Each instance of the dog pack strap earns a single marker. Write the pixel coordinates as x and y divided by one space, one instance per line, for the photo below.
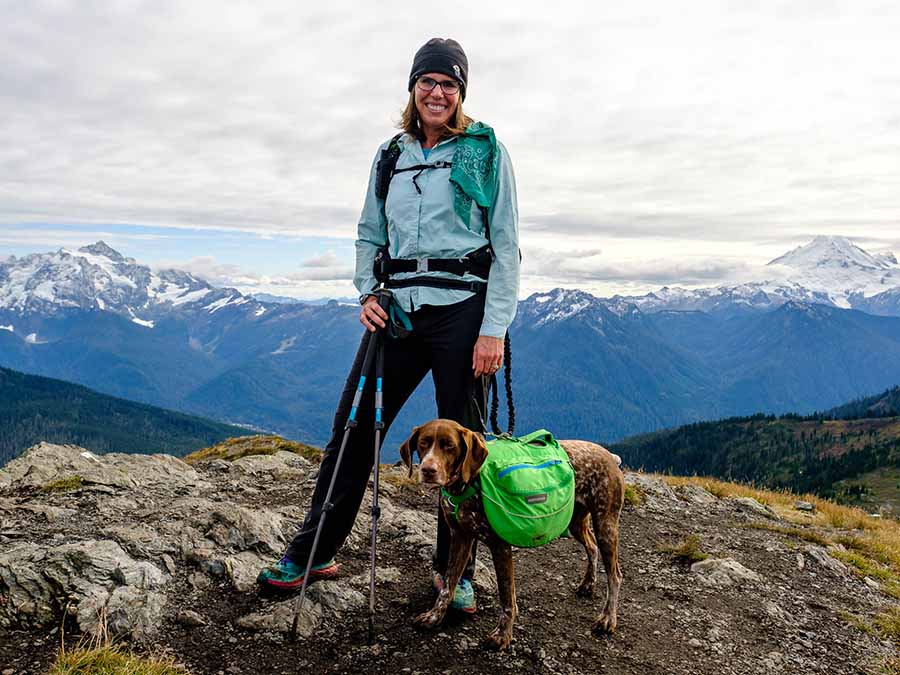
540 437
455 501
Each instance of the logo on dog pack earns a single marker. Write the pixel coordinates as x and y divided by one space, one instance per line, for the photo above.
536 499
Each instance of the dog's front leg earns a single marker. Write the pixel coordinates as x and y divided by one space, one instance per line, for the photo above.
501 552
460 550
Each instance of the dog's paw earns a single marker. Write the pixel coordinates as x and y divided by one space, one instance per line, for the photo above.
427 619
604 625
585 591
498 640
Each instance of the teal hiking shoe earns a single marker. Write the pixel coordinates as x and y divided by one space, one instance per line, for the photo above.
464 596
287 575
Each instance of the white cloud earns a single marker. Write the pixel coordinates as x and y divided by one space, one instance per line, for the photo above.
733 130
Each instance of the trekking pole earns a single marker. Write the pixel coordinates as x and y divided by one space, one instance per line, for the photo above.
376 509
370 340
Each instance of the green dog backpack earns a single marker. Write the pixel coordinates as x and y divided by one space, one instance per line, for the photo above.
527 487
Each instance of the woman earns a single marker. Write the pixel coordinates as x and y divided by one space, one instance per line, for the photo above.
451 195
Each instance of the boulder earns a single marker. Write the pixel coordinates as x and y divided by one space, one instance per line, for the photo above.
96 580
46 462
821 556
752 506
655 489
239 528
279 618
695 494
722 572
280 466
243 568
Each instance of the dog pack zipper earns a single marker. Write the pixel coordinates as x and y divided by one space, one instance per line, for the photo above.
516 467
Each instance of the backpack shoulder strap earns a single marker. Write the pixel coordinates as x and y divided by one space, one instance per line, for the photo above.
384 170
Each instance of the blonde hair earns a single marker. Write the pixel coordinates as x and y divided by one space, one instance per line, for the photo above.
411 124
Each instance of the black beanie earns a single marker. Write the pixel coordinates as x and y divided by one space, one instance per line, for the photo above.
441 56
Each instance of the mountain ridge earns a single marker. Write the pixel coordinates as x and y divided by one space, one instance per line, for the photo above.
34 409
169 339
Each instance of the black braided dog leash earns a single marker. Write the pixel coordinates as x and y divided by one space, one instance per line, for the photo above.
495 402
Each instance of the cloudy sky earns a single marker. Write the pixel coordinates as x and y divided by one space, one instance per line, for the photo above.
663 143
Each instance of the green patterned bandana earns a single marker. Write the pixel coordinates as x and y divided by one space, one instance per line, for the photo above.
474 172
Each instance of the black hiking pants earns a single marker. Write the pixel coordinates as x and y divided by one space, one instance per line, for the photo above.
442 341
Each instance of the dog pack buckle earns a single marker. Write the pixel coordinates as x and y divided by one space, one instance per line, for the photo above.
421 264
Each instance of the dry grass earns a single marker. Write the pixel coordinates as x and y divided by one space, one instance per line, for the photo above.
888 624
64 484
634 495
687 552
878 537
244 446
100 655
857 621
398 477
111 660
811 536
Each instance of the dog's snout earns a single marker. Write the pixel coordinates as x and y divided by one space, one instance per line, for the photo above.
429 472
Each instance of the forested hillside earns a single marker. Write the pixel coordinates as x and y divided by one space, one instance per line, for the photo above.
34 409
805 454
886 404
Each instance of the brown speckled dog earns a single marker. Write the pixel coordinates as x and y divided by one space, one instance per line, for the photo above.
451 456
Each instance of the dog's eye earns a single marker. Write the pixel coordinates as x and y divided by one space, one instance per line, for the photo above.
446 444
425 442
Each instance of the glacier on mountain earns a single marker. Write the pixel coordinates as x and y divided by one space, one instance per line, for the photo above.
828 270
97 277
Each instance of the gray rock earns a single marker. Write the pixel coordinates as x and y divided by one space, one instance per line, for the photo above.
280 617
696 494
280 466
484 581
190 618
750 505
821 556
239 528
94 579
804 506
337 596
650 486
243 568
51 514
722 572
199 581
46 462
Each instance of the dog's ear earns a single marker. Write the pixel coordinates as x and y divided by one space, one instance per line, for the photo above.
408 448
476 453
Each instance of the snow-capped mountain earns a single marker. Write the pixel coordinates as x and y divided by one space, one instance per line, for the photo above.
829 270
839 268
99 277
592 367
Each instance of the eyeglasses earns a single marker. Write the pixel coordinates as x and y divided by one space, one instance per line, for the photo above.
449 87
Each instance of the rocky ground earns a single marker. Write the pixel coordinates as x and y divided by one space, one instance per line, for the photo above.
166 554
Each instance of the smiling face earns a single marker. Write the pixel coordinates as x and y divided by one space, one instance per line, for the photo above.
435 107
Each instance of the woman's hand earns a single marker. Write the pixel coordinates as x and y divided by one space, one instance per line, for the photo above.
372 316
487 356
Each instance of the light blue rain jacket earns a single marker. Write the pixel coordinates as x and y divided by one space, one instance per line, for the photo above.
426 226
